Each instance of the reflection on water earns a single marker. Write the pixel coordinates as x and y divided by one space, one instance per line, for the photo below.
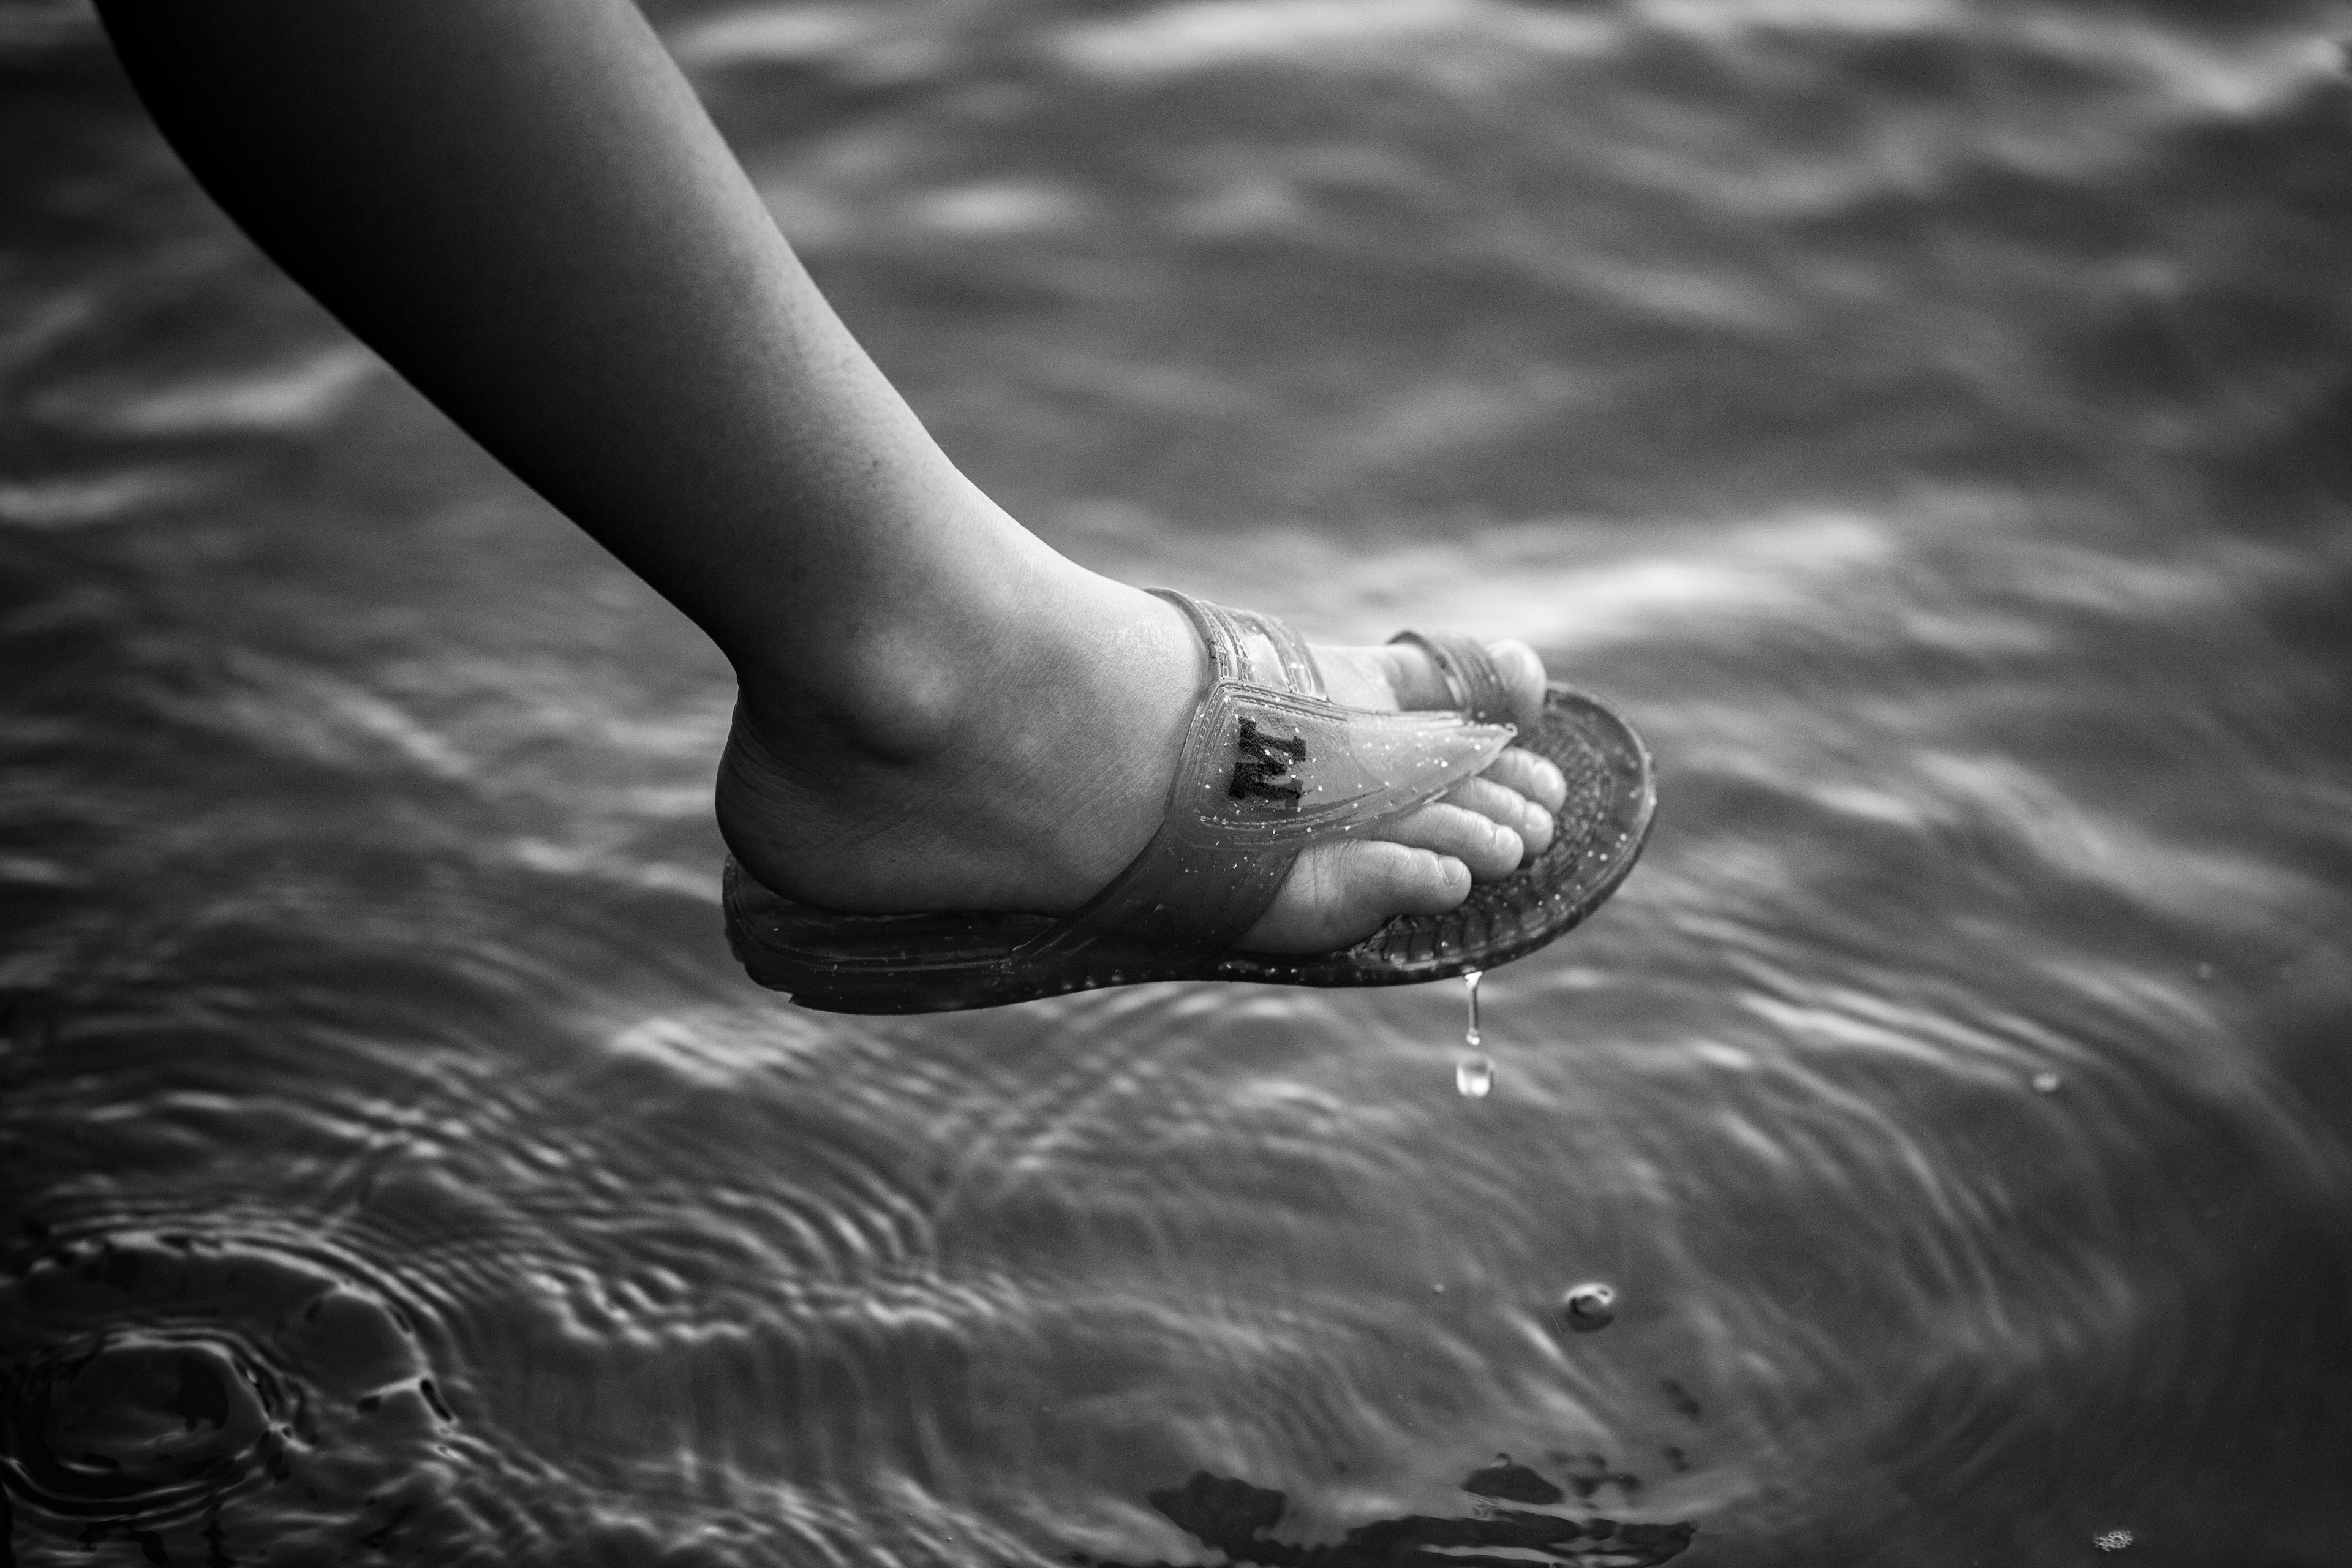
1927 418
1238 1519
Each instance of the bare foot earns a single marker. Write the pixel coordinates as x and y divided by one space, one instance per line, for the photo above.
1018 757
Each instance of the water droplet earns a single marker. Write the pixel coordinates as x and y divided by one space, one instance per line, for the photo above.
2045 1083
1474 1077
2204 974
1470 988
1588 1309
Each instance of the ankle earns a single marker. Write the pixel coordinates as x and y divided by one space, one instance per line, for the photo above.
877 654
1022 745
889 698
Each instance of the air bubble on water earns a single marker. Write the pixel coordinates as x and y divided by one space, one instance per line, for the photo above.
2045 1083
2112 1539
1587 1309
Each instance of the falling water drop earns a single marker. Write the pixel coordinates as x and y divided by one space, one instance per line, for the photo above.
1474 1077
1474 1074
2045 1083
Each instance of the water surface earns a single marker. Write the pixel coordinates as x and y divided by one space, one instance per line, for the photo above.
1928 419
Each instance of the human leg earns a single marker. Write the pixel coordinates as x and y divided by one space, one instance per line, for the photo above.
525 210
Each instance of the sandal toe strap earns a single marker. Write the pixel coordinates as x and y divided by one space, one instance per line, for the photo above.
1471 673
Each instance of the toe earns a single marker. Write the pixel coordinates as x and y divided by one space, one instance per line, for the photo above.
1414 680
1523 672
1501 803
1375 878
1531 775
1412 676
1489 848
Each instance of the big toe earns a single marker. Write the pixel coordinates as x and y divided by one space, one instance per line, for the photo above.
1419 683
1523 672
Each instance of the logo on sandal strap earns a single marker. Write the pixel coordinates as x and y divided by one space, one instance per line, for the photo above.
1262 765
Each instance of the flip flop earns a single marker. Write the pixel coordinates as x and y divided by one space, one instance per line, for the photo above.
1269 765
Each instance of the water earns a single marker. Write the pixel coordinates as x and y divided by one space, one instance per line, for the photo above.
1473 1073
1925 418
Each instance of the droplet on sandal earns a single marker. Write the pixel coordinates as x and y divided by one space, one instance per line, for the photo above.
1474 1077
1587 1309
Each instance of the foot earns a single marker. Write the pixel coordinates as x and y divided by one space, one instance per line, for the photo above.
1015 753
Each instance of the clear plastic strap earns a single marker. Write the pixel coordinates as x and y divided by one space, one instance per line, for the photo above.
1263 772
1292 657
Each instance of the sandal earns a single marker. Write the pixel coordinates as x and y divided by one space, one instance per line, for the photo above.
1269 765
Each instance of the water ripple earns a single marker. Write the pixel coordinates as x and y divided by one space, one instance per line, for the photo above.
1922 416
